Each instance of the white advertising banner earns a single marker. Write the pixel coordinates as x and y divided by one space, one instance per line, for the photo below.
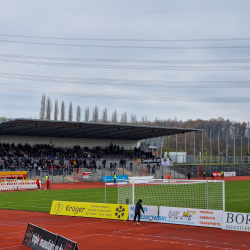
229 174
150 215
190 216
236 221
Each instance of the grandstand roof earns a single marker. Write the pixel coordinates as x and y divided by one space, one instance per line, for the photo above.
48 128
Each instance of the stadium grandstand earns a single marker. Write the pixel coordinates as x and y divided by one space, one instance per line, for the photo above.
57 147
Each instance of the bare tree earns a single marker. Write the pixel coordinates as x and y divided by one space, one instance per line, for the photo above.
95 114
42 109
114 117
122 118
105 115
133 119
78 113
125 117
48 109
143 120
56 111
62 111
70 116
86 118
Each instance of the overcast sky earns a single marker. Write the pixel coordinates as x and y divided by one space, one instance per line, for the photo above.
120 55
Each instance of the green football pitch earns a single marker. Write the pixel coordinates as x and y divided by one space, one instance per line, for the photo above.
237 197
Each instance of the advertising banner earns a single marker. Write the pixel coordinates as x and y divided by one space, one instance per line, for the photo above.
150 215
63 243
110 178
226 174
236 221
229 174
94 210
39 239
190 216
216 174
16 174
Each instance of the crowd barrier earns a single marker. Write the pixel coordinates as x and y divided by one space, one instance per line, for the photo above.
11 185
171 215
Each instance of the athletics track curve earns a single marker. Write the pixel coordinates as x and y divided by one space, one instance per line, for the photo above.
105 234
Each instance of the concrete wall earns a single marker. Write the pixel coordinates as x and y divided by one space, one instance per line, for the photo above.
67 142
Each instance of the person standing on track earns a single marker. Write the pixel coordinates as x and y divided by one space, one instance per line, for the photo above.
38 183
48 184
138 209
222 174
204 174
114 178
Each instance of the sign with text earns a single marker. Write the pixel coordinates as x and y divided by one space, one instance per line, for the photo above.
65 244
229 174
39 239
190 216
93 210
236 221
150 213
14 174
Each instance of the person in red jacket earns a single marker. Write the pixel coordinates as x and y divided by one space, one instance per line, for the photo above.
38 183
48 183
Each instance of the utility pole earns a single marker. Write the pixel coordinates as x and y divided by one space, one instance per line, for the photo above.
210 147
194 147
218 147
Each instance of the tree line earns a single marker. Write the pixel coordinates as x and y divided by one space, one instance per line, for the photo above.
217 133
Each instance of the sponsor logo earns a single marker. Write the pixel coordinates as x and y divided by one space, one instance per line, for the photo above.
74 209
238 218
119 212
58 207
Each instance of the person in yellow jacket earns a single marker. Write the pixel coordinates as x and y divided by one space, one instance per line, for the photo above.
222 174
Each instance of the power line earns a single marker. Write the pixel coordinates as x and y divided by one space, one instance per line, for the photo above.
133 67
127 82
127 46
131 61
128 40
127 12
137 97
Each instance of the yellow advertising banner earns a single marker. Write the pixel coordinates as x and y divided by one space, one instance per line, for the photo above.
94 210
14 174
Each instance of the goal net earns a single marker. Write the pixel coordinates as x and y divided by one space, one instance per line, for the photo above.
174 193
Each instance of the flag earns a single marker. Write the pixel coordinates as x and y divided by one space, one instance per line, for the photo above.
85 175
165 162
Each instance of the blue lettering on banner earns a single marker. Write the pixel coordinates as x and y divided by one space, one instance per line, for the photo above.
110 178
132 208
145 209
162 218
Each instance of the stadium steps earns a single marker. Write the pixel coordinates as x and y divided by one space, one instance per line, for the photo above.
127 172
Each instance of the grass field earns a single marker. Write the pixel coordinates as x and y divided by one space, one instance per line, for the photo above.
237 197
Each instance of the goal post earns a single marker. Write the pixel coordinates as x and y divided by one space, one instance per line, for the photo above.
200 194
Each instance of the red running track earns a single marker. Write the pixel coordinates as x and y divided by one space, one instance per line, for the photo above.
104 234
58 186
